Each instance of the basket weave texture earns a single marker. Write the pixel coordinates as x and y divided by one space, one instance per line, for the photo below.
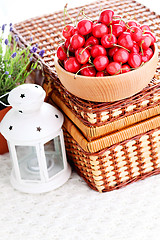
106 158
118 165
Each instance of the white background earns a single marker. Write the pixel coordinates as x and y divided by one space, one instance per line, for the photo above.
19 10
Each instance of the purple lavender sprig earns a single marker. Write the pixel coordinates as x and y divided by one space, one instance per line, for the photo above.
33 49
3 27
14 55
17 63
6 41
41 53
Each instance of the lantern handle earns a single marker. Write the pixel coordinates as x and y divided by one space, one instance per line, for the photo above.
6 105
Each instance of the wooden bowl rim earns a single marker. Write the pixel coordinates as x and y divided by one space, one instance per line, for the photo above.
110 76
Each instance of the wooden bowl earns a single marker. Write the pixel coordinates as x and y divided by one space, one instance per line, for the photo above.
109 88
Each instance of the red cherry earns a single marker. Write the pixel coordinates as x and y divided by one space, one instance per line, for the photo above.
132 24
82 55
123 25
98 50
117 20
99 30
106 16
100 62
113 68
67 31
134 60
125 40
84 26
121 56
88 70
74 31
100 74
117 29
62 52
151 35
136 34
68 45
145 28
149 52
108 30
91 41
135 47
146 55
125 68
108 40
112 51
77 41
72 65
145 42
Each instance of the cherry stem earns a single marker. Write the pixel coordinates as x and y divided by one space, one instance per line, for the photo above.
84 49
133 68
86 15
63 49
142 64
90 61
109 39
120 70
82 69
61 41
100 10
60 62
141 47
131 17
117 72
68 50
64 17
126 69
123 69
66 12
81 11
143 32
127 26
116 45
120 19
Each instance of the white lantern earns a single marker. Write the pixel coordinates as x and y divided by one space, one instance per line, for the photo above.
35 140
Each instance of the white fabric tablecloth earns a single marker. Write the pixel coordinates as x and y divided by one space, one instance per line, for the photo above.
74 211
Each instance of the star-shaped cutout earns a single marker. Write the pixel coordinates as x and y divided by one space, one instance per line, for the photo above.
22 95
39 129
11 128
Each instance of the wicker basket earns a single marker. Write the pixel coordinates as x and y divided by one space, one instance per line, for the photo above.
106 158
119 164
97 120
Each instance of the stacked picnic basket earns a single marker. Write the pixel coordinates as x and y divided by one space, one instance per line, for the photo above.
110 144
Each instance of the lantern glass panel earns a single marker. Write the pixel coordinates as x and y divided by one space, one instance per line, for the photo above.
54 157
28 162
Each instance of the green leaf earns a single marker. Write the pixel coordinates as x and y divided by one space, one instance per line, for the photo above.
18 67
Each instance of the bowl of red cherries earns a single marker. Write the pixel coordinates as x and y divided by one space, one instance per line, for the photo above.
106 59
